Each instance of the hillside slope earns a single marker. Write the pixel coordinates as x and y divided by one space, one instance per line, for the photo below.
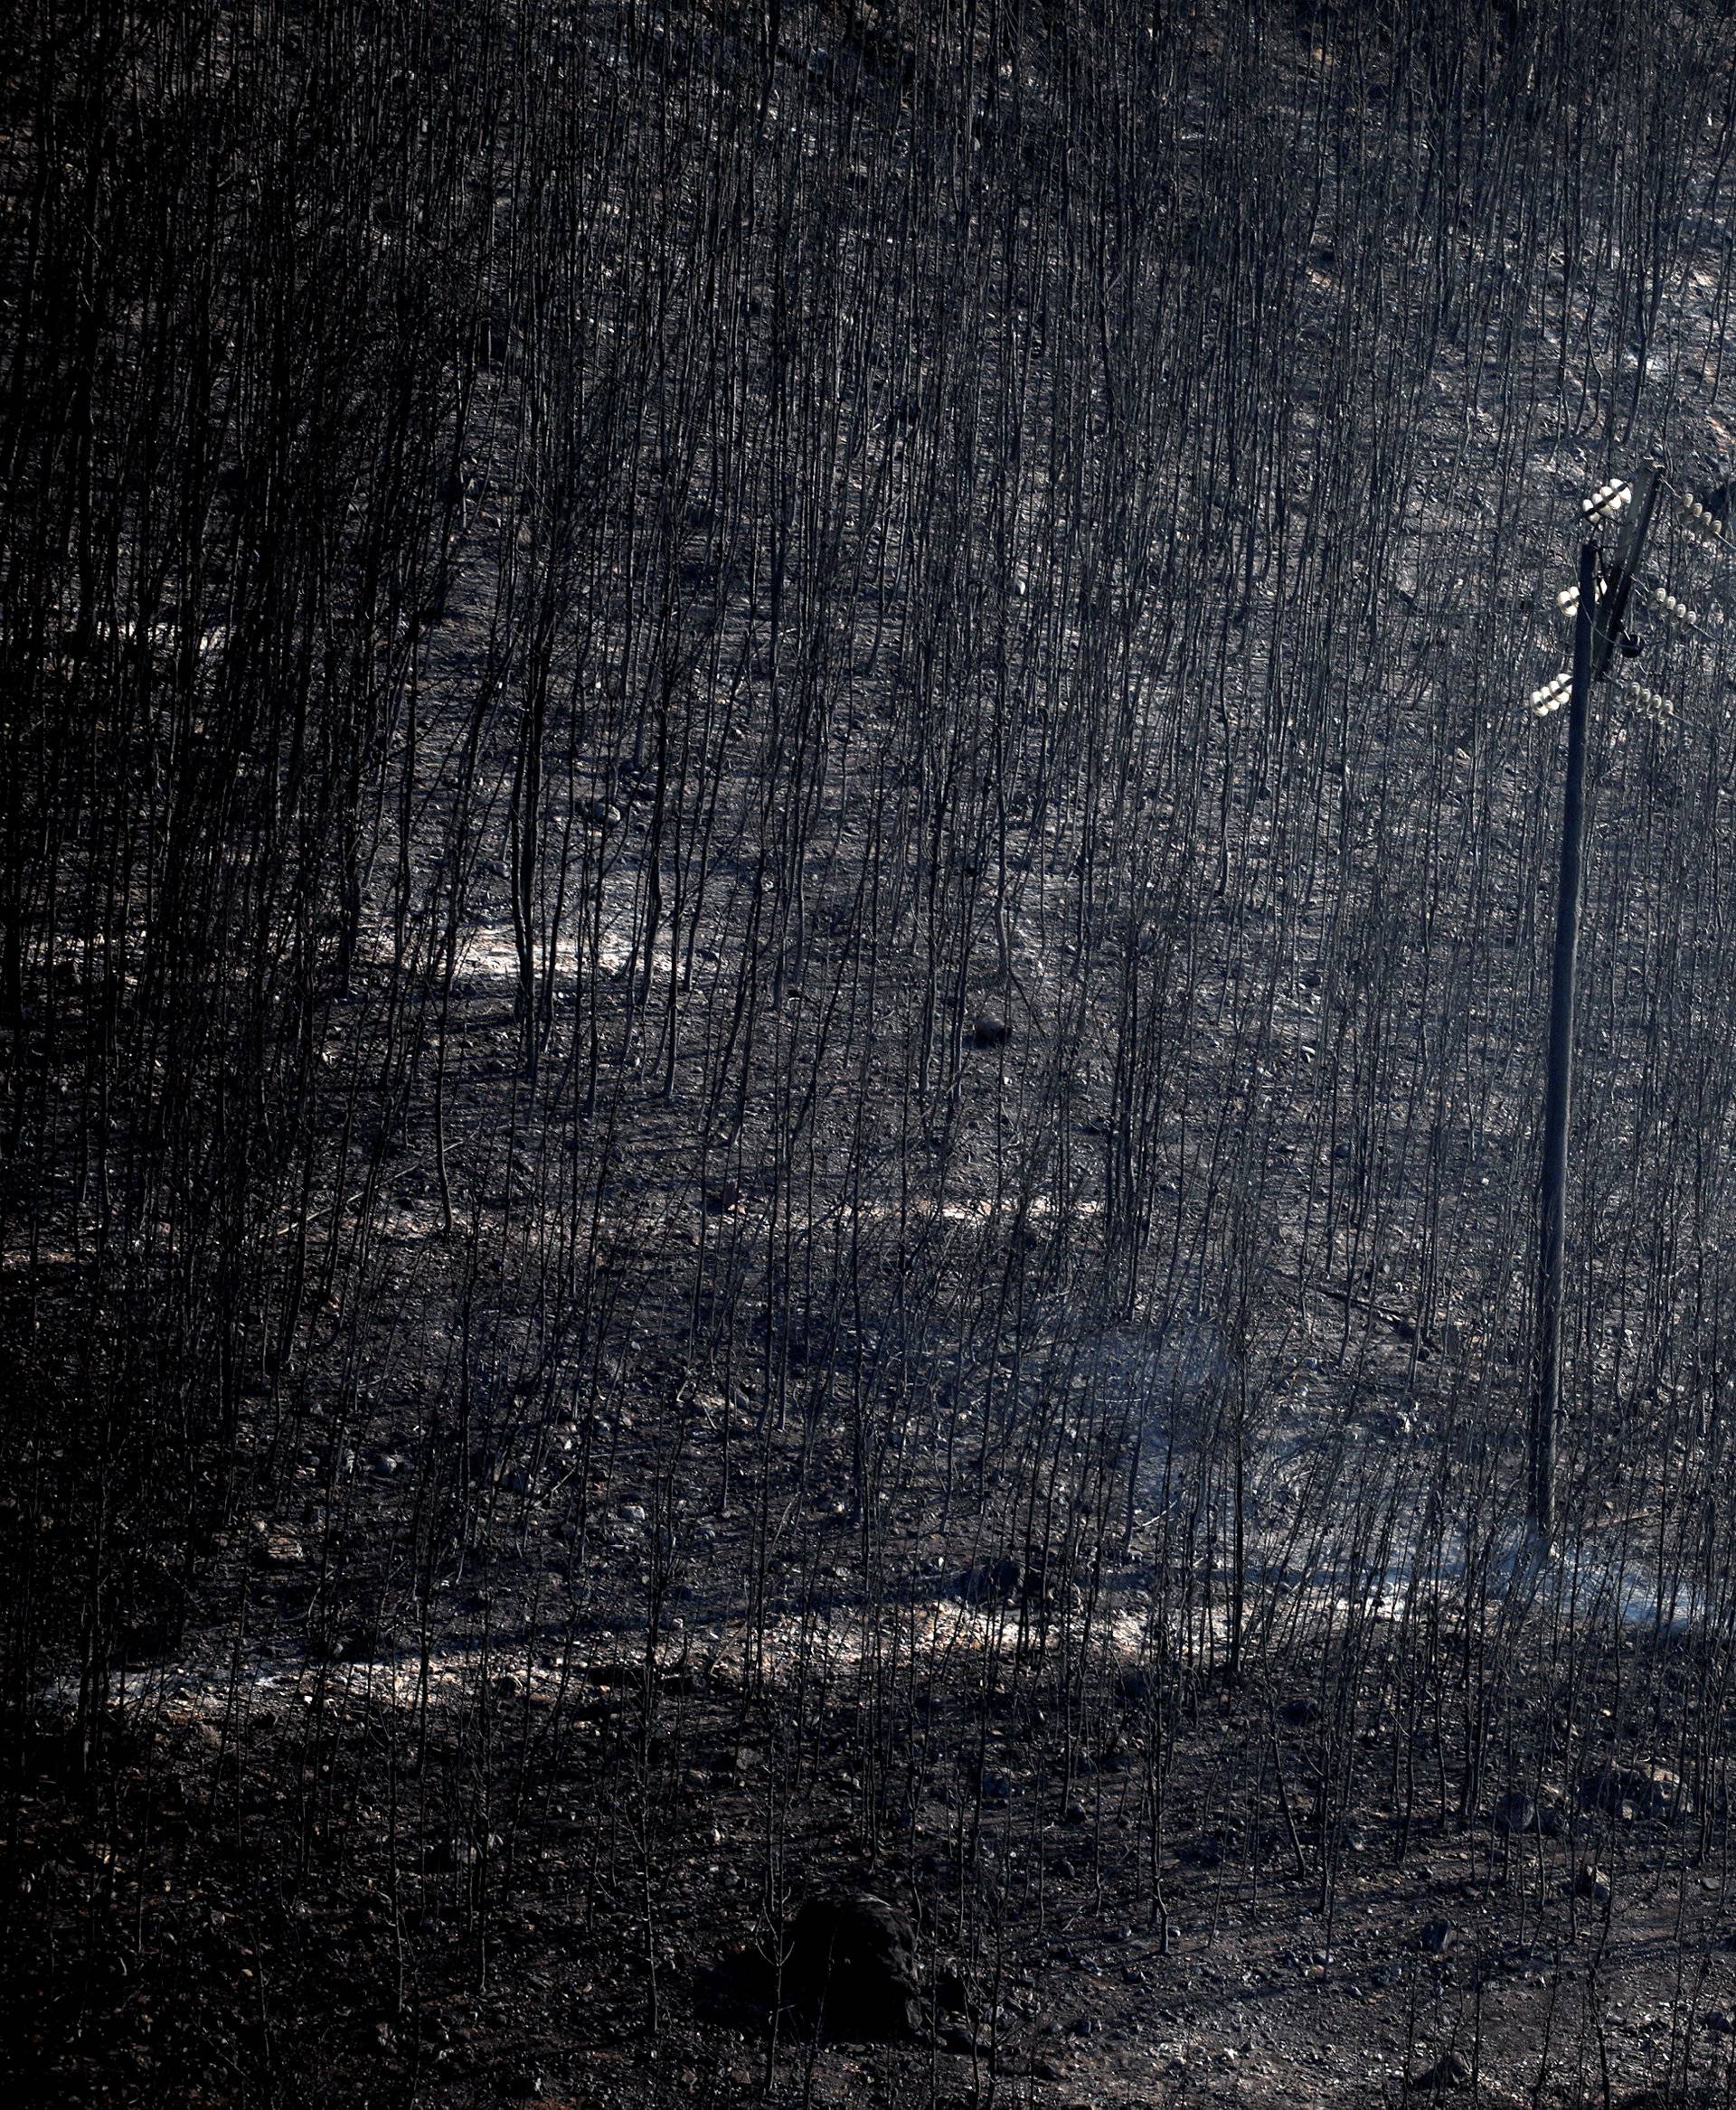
776 926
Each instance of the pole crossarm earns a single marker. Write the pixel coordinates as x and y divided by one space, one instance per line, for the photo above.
1611 602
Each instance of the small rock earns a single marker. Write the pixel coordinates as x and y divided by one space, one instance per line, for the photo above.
987 1031
1452 2071
1667 1797
1002 1578
992 1579
949 1992
1050 1587
1516 1813
1626 1792
1594 1884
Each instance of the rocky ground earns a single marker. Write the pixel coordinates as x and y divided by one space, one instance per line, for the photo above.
508 1867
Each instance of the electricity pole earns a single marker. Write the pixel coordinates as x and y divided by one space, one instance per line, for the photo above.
1599 604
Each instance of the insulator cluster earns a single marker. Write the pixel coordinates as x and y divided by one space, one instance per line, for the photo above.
1550 697
1668 608
1649 704
1607 499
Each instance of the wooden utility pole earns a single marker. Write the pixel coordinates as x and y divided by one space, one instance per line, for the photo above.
1602 605
1558 1086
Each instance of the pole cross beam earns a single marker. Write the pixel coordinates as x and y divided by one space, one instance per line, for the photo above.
1612 601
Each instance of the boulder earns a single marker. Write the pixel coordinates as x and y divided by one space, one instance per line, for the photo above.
849 1969
1516 1812
1626 1792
